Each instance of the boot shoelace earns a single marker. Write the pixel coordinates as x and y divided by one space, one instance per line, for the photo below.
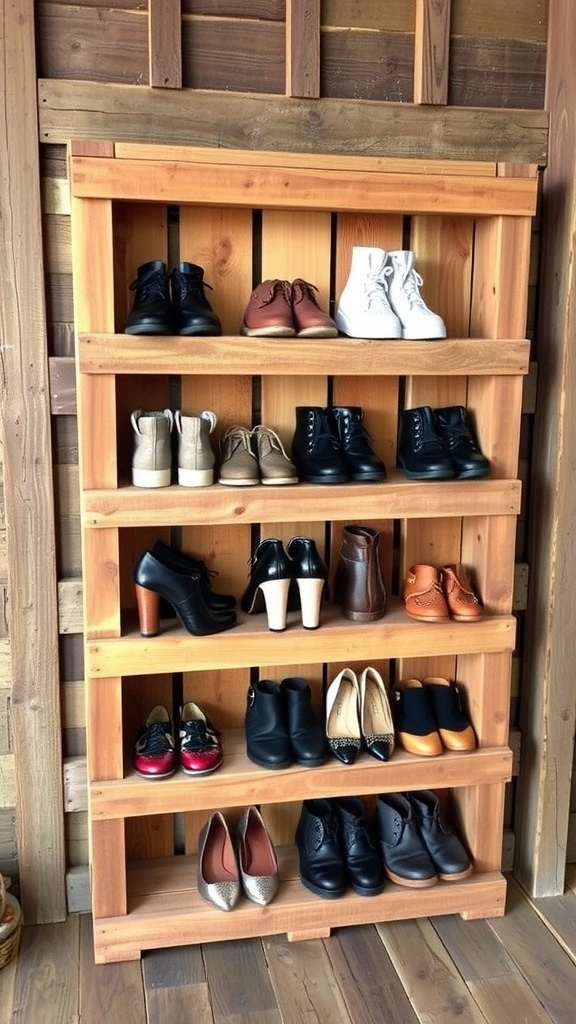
265 437
197 735
303 290
277 287
321 436
151 286
189 286
156 740
325 832
411 284
453 435
238 437
357 435
425 438
376 287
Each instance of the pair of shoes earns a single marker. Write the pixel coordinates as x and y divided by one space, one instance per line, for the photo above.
336 848
332 446
280 309
281 726
381 298
272 571
435 595
429 715
358 713
184 583
199 750
152 457
440 444
416 843
223 871
171 303
358 584
254 456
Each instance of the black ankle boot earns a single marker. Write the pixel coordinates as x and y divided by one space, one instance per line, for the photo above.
309 582
270 577
192 311
183 590
186 563
422 453
454 427
152 310
322 865
316 448
267 741
355 448
365 867
406 859
446 851
306 732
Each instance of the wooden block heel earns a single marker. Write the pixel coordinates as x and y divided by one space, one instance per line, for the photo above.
148 604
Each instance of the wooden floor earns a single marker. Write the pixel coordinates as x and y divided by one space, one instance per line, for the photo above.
519 969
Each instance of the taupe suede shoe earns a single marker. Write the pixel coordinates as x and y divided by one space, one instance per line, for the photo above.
152 458
239 465
195 456
274 465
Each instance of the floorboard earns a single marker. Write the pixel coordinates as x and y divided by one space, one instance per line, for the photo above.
518 969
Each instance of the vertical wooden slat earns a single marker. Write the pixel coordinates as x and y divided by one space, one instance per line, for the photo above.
29 500
303 48
165 43
431 51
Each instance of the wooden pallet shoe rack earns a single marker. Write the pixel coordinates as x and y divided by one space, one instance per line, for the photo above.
245 217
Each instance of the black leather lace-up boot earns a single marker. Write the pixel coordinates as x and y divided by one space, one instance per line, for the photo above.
322 865
192 310
355 444
316 448
422 453
454 427
152 311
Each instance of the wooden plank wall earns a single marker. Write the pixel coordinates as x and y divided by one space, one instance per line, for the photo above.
292 75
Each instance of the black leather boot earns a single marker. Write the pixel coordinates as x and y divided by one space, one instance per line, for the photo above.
454 427
422 453
365 867
192 311
152 311
186 563
306 733
316 448
270 577
355 444
322 865
358 584
406 859
267 740
446 851
309 583
183 590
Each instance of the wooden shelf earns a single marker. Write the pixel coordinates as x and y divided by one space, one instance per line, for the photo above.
124 353
250 643
164 908
239 782
396 498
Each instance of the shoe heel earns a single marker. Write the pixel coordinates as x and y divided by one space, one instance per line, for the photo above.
148 604
310 591
275 593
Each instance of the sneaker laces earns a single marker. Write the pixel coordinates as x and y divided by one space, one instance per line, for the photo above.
156 739
237 437
262 433
411 283
151 285
302 289
376 287
196 735
275 288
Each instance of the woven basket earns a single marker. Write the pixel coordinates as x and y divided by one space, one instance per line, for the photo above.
10 930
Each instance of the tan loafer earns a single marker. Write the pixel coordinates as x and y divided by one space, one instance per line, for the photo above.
423 596
463 604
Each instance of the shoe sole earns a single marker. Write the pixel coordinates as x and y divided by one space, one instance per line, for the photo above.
277 331
459 876
429 476
323 480
201 332
157 329
473 474
375 891
318 332
238 483
281 480
264 764
203 771
412 883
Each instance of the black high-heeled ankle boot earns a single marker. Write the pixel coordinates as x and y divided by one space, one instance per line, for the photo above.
269 584
184 591
310 575
182 562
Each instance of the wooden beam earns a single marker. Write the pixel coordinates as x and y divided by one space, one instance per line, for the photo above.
547 711
32 611
165 43
73 110
303 48
431 51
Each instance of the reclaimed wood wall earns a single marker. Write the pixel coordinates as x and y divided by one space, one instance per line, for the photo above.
441 79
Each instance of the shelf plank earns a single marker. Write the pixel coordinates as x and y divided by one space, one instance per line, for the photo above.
396 498
126 354
209 184
239 782
164 908
251 643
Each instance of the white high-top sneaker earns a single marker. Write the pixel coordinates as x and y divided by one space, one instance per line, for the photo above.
152 457
418 322
363 309
195 456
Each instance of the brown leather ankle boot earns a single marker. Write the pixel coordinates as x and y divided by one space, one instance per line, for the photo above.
358 583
